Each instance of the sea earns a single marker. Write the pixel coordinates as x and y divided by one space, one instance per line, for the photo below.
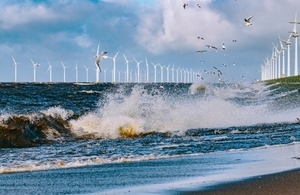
143 138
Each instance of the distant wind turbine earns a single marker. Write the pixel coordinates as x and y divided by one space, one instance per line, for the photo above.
154 65
64 67
161 73
295 35
35 65
282 48
114 66
138 69
15 64
87 73
127 68
50 72
288 43
147 70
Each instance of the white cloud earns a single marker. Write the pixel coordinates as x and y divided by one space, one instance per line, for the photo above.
83 41
170 27
18 14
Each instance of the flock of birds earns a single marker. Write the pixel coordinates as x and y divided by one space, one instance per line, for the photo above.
216 71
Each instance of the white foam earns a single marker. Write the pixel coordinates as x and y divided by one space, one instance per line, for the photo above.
146 112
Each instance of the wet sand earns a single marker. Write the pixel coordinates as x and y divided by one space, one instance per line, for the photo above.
283 183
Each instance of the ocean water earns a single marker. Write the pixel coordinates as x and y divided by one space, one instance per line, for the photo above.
104 132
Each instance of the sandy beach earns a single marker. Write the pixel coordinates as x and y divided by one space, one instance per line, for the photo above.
283 183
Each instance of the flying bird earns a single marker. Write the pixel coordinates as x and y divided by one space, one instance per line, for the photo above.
223 46
200 38
198 5
211 47
99 58
234 40
185 5
247 20
201 51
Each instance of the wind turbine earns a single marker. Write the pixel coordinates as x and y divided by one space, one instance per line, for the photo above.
87 73
50 72
64 67
168 73
282 48
114 67
154 65
127 68
15 64
105 74
138 69
35 65
295 35
161 73
147 71
278 62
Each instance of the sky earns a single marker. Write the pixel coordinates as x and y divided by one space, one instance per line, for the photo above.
161 31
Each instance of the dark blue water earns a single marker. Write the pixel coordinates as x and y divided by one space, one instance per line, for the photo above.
49 126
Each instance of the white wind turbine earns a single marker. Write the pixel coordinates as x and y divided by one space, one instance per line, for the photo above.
114 66
168 73
282 48
278 61
295 35
154 65
138 69
35 65
87 73
127 68
64 67
15 64
147 70
50 72
105 74
161 73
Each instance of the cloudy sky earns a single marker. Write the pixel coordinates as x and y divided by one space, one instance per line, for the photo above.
162 31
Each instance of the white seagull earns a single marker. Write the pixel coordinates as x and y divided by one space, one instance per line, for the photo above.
247 20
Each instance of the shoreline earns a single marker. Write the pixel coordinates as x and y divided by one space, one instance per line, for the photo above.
286 182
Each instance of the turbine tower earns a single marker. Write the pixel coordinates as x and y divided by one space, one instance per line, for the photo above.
154 65
15 64
147 70
127 68
87 74
50 72
282 48
138 69
114 67
35 65
161 73
295 35
64 67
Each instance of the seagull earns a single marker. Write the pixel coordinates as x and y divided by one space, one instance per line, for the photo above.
200 38
210 46
201 51
198 5
99 58
234 40
247 20
185 5
223 46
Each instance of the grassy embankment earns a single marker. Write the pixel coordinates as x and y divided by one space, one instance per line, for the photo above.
290 87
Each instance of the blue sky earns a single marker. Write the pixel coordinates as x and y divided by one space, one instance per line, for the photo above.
161 31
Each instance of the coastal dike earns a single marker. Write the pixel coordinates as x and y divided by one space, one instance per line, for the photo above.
286 90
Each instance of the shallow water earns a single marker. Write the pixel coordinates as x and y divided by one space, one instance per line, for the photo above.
66 125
